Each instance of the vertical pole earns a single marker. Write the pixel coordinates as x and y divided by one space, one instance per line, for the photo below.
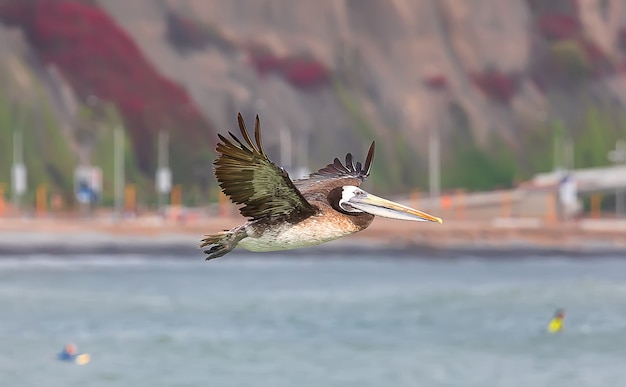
285 147
506 204
555 154
303 149
177 195
176 199
619 193
17 147
118 170
13 193
130 198
434 167
596 202
17 160
558 159
460 205
41 200
415 198
551 208
569 154
159 166
163 172
1 199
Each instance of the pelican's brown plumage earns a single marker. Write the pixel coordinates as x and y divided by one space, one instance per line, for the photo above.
286 214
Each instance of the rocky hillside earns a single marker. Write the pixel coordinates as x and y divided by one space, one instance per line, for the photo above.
499 79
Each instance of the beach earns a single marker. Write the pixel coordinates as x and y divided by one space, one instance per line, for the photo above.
156 235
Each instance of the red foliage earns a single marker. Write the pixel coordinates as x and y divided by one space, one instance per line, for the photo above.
558 20
557 26
436 82
496 85
99 59
600 62
186 33
266 63
539 7
303 73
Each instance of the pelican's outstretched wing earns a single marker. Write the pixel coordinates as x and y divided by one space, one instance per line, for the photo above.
339 170
338 174
249 177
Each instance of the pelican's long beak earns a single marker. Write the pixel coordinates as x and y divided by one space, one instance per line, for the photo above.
375 205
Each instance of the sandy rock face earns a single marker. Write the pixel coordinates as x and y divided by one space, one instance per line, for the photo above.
384 52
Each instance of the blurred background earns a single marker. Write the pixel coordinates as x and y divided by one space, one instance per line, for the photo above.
504 117
460 97
510 109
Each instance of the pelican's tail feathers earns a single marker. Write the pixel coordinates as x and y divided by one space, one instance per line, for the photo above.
223 242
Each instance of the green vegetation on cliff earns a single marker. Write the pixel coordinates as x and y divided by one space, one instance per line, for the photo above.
475 167
478 168
398 167
601 129
46 153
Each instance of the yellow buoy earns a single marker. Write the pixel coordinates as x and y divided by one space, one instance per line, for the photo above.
556 324
82 359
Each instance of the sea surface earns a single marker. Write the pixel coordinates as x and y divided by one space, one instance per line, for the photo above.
264 320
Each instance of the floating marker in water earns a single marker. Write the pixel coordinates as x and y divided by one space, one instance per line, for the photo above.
556 324
82 359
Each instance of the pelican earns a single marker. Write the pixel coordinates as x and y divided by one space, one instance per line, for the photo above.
288 214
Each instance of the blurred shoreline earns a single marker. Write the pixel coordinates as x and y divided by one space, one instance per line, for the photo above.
498 238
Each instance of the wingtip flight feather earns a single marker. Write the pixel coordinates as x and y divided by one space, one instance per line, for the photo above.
369 158
257 135
244 132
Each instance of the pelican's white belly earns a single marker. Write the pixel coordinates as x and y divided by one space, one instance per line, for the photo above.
313 231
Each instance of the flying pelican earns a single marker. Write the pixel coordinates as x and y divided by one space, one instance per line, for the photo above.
288 214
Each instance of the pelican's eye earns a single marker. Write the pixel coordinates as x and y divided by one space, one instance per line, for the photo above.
347 194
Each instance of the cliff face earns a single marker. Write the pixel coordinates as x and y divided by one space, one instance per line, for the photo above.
409 65
333 74
31 104
388 50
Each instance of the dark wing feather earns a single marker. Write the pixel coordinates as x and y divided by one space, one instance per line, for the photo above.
336 175
338 170
248 177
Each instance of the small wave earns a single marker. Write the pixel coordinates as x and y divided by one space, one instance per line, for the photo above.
40 261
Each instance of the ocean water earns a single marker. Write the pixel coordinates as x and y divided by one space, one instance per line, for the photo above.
263 320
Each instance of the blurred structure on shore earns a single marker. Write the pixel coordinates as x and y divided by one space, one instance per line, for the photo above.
531 215
551 197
